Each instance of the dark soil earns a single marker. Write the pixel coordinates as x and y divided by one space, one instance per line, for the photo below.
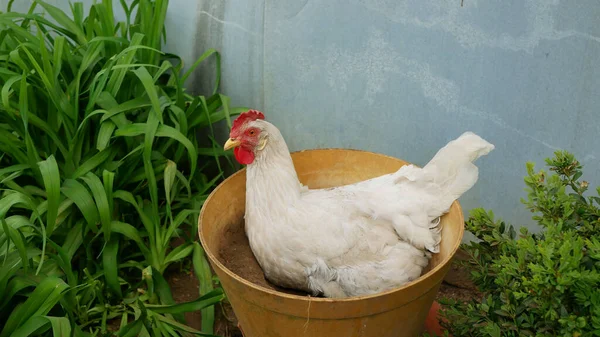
459 294
457 284
236 255
185 288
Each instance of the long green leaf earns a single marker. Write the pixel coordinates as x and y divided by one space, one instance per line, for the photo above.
148 83
95 161
33 326
167 131
204 275
163 290
13 198
146 220
182 327
61 327
115 82
179 253
99 194
55 93
7 90
15 285
204 301
32 154
17 239
131 233
136 327
51 176
169 179
132 329
131 105
199 61
74 239
151 127
110 264
179 220
63 20
75 191
59 47
106 130
138 129
45 296
11 263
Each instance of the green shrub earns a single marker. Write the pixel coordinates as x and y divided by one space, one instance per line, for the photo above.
100 169
544 284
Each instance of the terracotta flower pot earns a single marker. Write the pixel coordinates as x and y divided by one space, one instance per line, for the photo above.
432 322
264 312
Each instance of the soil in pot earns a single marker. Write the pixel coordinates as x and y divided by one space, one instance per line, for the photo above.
235 253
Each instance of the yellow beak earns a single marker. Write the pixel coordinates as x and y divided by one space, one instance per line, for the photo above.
231 143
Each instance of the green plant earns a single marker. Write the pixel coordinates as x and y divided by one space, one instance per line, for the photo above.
545 284
100 170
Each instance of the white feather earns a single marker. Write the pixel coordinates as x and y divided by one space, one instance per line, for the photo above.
356 239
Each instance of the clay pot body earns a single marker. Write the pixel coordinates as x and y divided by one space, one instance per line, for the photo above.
264 312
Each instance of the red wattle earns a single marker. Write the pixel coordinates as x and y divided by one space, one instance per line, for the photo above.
243 156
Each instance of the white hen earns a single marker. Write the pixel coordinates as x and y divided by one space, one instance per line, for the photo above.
352 240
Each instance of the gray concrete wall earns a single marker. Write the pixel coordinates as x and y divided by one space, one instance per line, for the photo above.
404 77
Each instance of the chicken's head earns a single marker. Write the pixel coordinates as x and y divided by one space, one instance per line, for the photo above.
246 137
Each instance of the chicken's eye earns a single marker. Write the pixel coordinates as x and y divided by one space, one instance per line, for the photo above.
251 132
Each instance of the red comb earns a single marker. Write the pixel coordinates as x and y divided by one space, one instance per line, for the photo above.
248 116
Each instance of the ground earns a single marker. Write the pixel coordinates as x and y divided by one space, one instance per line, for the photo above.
184 286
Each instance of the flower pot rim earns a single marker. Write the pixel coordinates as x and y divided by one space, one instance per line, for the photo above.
354 299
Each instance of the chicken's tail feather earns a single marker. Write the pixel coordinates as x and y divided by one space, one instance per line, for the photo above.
448 175
452 166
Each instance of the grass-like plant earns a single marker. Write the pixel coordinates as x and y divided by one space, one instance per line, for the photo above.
100 169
